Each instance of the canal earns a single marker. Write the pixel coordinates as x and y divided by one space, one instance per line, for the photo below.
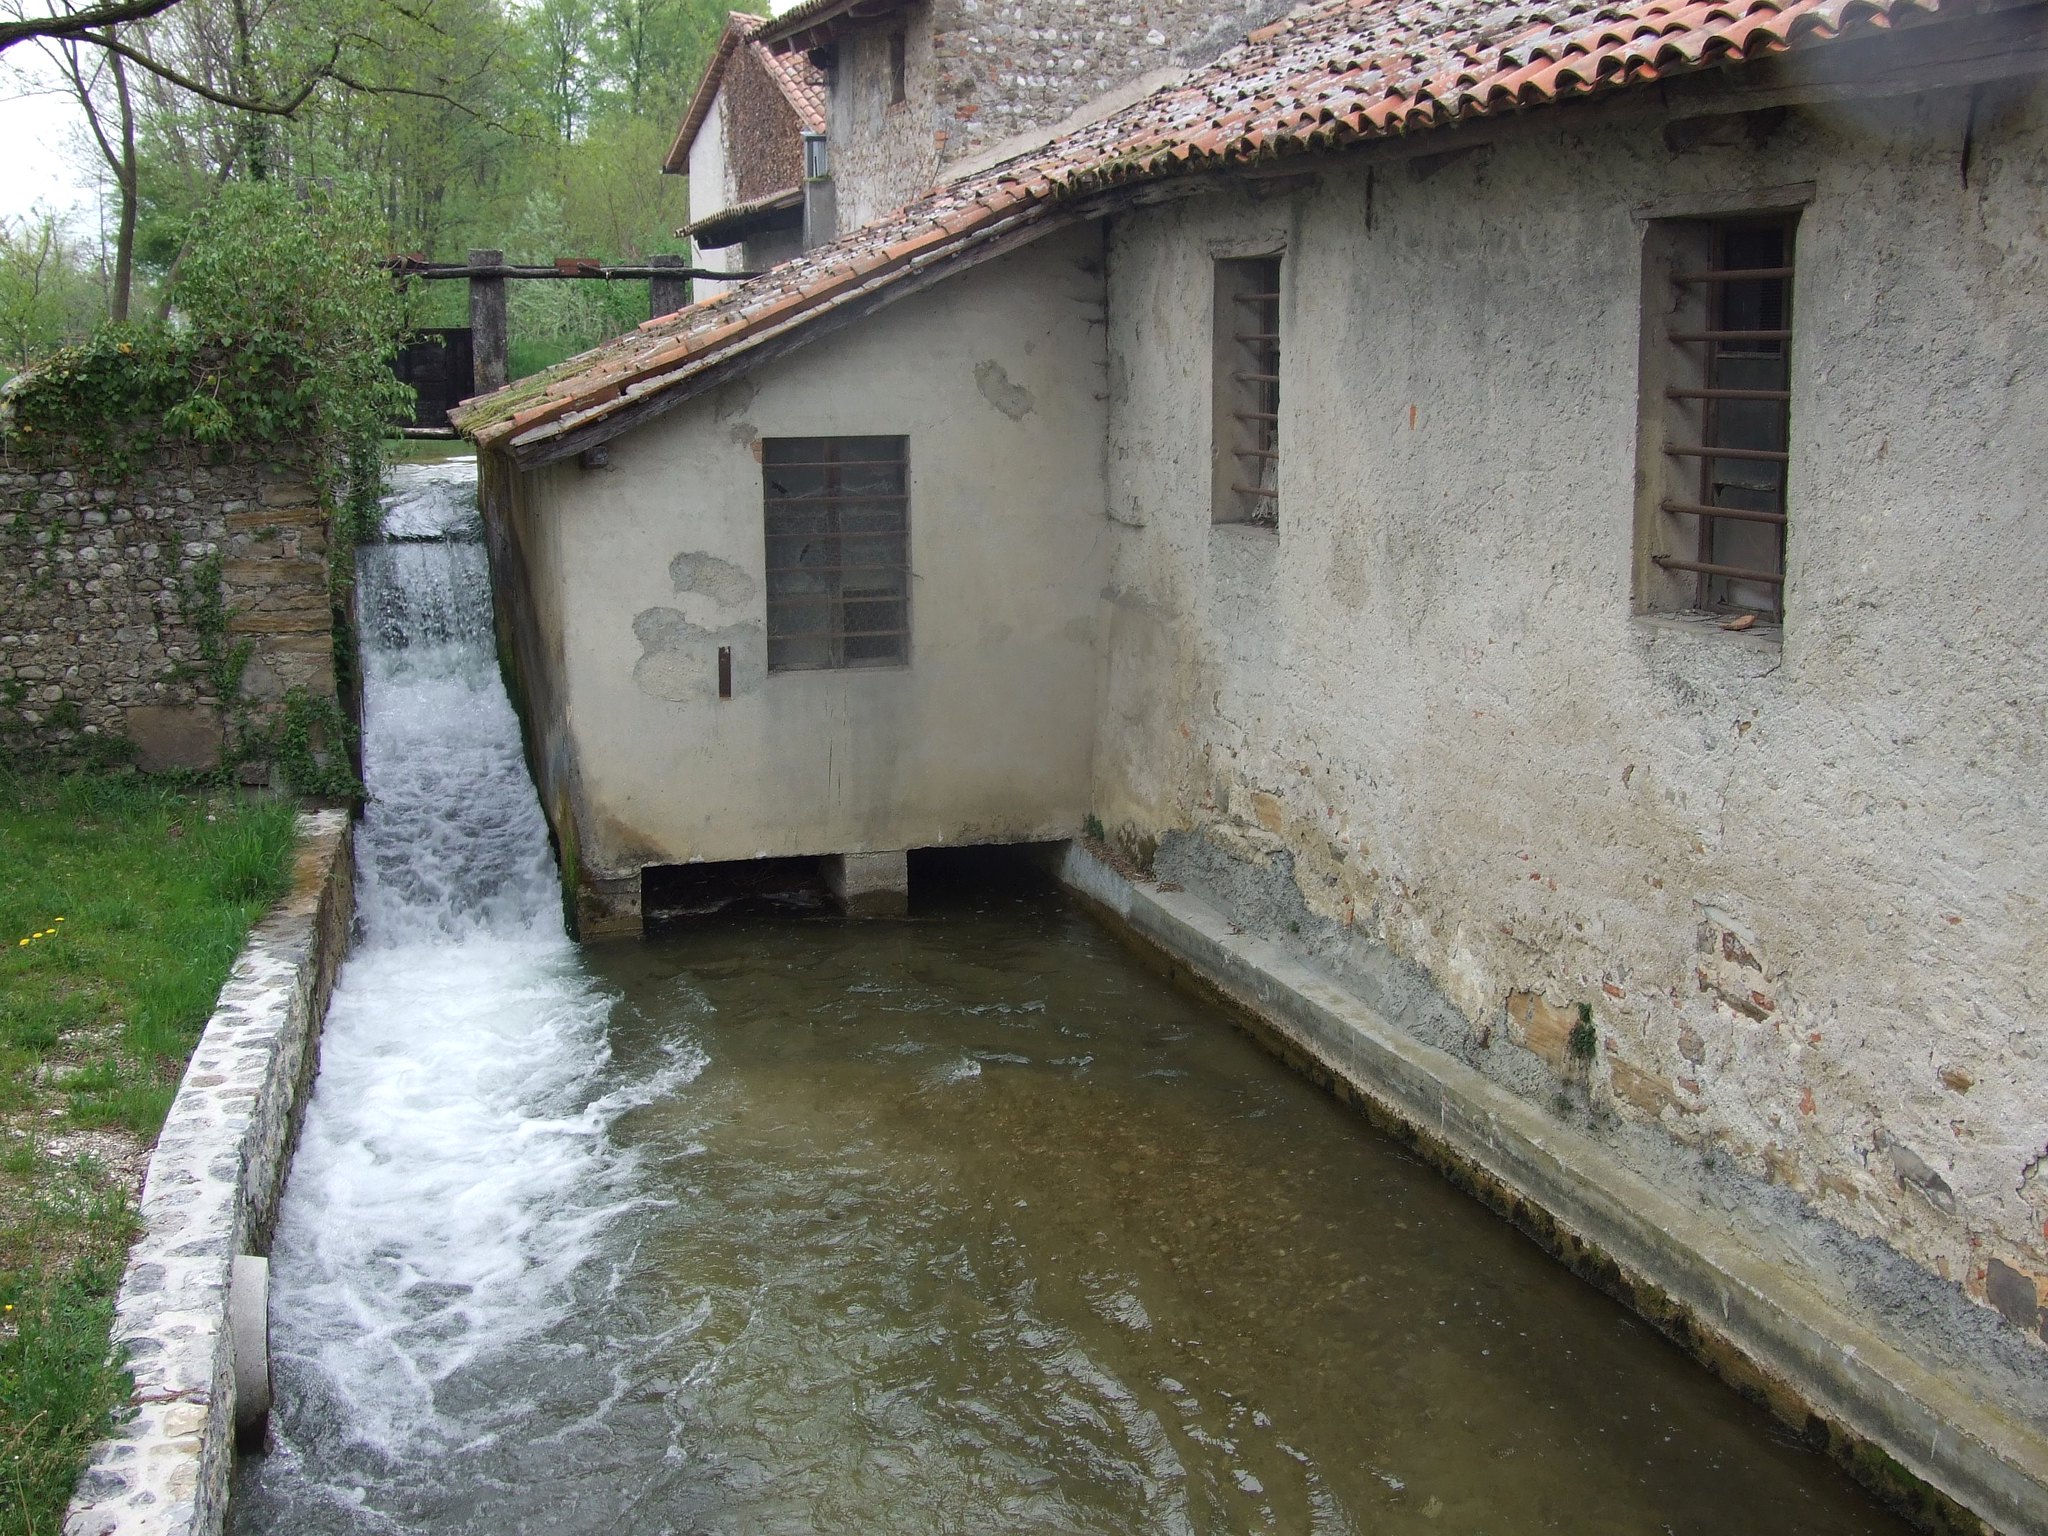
964 1222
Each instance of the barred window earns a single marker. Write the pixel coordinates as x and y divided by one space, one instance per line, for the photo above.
837 522
1725 382
1247 391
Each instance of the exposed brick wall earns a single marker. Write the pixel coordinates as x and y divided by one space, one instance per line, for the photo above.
763 138
100 588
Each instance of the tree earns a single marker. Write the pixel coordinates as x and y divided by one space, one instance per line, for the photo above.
561 31
98 80
46 297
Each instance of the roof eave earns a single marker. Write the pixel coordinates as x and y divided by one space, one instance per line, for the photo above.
729 226
820 22
736 32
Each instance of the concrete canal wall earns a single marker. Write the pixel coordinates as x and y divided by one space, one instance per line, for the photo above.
1916 1393
209 1197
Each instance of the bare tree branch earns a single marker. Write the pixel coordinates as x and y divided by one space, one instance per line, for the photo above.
283 106
23 29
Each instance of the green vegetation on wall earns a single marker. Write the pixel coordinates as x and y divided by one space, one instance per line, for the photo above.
283 327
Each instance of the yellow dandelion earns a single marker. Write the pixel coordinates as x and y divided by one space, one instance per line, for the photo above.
24 943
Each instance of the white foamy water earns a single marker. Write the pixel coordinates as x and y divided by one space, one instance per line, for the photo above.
454 1176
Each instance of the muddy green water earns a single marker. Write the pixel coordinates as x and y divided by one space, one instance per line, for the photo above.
983 1226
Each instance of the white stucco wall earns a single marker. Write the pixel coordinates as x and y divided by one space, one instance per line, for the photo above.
657 561
712 188
1801 886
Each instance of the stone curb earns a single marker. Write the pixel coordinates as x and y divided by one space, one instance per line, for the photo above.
210 1194
1751 1320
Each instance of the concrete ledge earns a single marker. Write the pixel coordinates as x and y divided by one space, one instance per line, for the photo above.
211 1194
1966 1458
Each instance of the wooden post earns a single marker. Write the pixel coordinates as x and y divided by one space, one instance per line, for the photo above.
666 295
487 328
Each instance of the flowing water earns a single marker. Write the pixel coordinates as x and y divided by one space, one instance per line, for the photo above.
962 1223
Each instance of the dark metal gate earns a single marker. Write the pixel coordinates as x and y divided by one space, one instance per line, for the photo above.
440 366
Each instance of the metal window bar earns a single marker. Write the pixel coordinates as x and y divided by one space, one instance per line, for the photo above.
1255 381
818 618
1743 403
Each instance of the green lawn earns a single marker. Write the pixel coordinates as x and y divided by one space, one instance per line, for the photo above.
122 904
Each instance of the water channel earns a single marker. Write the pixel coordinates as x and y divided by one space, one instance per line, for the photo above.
961 1223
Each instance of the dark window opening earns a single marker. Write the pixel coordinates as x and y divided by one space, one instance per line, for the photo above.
1247 352
898 51
1733 321
837 525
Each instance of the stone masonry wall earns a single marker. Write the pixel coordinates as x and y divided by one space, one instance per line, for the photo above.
210 1195
977 74
105 631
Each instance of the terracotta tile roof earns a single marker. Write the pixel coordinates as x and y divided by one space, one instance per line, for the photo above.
802 82
1330 74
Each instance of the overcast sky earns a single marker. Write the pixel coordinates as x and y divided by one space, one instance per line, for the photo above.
37 162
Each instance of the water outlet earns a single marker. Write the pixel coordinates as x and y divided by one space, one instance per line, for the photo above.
249 1338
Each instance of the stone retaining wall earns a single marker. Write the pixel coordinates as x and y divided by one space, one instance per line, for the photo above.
211 1193
105 589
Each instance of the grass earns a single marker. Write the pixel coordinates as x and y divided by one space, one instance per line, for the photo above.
156 887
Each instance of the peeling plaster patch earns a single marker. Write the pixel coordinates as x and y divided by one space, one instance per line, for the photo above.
720 580
679 660
1013 400
736 399
2013 1293
1917 1174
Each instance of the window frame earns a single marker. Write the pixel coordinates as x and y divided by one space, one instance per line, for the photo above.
1712 527
896 69
835 455
1247 357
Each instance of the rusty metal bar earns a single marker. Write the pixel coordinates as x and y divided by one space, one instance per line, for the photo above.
834 599
834 498
1732 275
1740 514
1253 490
882 533
1728 394
829 570
1729 335
789 635
835 464
1736 572
442 271
1256 415
1257 378
1696 451
1255 453
1251 336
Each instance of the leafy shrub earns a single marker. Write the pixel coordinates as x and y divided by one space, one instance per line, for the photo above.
283 326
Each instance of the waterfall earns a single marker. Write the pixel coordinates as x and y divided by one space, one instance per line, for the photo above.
454 1176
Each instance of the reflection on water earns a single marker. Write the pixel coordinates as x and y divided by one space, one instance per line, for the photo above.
960 1223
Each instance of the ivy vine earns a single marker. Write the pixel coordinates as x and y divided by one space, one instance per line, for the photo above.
309 742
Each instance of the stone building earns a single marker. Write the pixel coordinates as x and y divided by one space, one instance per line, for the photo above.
1561 556
741 143
918 89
